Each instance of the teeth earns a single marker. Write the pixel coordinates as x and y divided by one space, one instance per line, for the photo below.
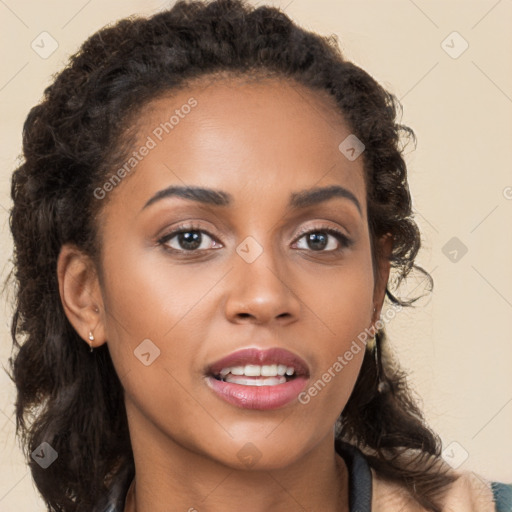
269 381
254 370
269 370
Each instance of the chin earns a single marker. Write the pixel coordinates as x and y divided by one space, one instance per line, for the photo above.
261 454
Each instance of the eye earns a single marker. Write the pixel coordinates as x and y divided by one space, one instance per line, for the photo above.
188 238
192 239
324 239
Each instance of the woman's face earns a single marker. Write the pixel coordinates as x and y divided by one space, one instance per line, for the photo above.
242 276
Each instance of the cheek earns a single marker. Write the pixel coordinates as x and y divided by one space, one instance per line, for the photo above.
341 299
158 316
330 388
343 305
149 297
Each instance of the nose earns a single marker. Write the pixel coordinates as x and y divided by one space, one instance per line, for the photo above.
261 292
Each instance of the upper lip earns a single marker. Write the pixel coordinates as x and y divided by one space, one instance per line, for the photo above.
260 357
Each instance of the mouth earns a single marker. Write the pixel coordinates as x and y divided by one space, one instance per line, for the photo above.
257 379
254 367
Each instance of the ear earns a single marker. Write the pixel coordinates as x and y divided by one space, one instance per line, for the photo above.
80 293
384 249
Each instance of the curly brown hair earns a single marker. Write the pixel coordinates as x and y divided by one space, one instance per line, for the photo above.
71 140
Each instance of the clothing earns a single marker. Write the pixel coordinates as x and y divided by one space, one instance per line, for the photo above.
368 492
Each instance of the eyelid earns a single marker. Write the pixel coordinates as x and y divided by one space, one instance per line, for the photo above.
319 227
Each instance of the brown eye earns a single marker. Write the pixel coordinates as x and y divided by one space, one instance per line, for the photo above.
187 239
324 240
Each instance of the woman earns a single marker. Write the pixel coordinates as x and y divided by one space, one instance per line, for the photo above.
205 223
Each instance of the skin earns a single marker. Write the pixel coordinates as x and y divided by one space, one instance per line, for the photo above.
259 142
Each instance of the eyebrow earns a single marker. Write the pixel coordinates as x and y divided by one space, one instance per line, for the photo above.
209 196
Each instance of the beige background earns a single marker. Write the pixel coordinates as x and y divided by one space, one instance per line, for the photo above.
458 345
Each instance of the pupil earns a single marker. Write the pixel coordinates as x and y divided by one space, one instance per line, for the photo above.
316 241
190 240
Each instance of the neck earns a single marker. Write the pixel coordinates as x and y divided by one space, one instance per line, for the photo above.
170 477
257 496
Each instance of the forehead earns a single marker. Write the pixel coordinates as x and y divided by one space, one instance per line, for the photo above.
265 138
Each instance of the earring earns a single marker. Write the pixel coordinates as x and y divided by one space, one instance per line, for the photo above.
91 338
374 346
371 342
382 385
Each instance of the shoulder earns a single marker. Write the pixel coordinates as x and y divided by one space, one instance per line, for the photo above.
468 493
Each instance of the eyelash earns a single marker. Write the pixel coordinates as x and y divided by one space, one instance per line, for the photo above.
343 240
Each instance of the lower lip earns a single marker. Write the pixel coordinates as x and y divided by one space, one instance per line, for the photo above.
258 397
